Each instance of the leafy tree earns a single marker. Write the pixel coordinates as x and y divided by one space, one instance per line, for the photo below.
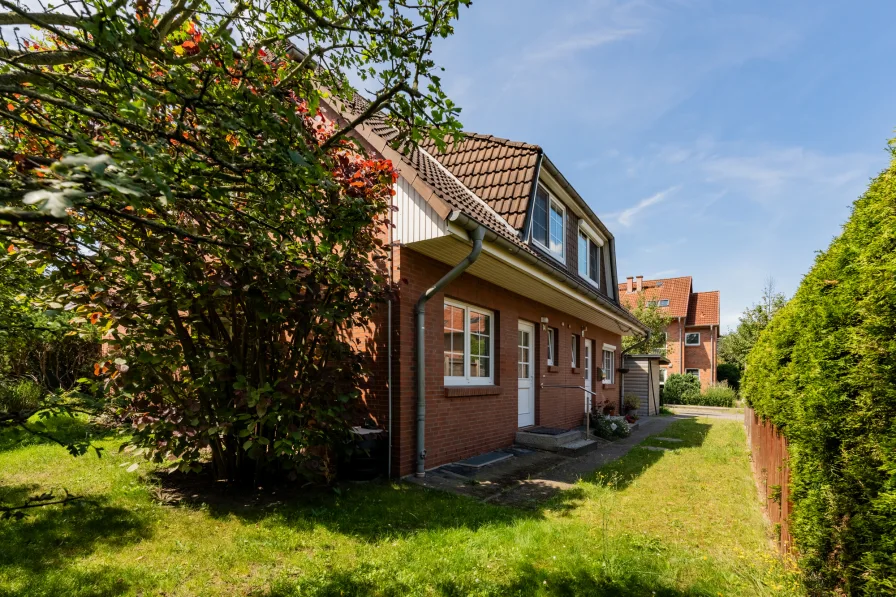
730 373
656 320
174 169
735 346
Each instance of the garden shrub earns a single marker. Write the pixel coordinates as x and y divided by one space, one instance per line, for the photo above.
609 427
824 372
631 402
712 395
676 385
19 395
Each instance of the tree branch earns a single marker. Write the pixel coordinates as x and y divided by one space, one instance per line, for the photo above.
50 18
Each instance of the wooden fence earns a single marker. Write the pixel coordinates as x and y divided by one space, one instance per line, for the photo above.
772 472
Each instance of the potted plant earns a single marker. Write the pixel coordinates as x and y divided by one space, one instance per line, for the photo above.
631 403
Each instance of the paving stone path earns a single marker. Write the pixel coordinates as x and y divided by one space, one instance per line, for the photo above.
531 477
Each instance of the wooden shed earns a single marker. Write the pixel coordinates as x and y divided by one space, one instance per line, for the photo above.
642 378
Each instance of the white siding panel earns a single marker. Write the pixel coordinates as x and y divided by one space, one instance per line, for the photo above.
415 219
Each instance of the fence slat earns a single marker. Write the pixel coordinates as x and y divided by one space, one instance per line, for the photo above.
771 469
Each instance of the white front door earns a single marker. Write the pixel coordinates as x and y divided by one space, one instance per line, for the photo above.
588 369
526 374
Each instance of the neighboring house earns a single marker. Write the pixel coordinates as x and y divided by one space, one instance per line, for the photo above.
692 338
520 314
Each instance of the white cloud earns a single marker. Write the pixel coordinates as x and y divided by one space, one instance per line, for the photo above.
564 49
627 216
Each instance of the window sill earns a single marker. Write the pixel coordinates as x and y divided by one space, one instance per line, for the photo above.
465 391
609 386
553 369
576 370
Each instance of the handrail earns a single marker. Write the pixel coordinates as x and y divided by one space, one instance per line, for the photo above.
572 388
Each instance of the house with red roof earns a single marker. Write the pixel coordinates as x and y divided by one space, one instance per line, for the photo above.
692 337
507 322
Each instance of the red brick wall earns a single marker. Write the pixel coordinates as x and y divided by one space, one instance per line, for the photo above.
458 427
701 357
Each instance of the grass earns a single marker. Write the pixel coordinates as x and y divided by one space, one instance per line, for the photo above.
666 523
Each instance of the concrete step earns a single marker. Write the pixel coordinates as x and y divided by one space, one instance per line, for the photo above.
549 442
579 446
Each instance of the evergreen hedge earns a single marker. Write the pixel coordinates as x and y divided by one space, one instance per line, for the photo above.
824 371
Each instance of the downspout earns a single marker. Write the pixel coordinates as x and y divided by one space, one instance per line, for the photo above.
477 235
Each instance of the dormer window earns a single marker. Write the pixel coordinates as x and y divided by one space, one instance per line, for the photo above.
589 258
549 223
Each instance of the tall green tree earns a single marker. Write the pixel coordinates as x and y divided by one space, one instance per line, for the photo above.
656 320
736 345
171 166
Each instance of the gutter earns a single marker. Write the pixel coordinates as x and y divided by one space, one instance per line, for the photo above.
477 235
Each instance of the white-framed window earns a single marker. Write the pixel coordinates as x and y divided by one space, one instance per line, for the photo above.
694 372
609 362
589 258
552 347
469 344
659 303
574 350
549 223
692 339
662 375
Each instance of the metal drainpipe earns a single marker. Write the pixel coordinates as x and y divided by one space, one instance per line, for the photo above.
478 234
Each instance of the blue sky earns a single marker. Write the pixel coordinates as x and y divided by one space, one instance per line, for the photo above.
722 140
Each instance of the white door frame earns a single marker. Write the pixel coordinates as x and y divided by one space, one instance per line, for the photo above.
525 383
588 351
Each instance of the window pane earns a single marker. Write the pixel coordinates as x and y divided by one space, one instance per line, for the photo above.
540 217
692 338
574 352
480 344
556 230
594 262
609 366
479 367
550 346
583 254
454 341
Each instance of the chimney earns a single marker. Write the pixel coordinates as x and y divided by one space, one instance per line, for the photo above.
640 280
629 281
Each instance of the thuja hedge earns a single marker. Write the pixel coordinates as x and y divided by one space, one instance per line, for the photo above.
824 371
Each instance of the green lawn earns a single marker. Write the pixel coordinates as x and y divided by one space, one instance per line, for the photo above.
684 522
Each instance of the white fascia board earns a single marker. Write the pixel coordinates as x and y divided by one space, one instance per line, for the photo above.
526 268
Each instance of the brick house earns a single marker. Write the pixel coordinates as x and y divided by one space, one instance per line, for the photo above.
507 291
692 338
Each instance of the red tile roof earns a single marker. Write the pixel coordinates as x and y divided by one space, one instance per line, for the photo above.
676 290
703 308
699 308
499 171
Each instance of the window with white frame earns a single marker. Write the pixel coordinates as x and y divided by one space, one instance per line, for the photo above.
694 372
692 339
469 344
552 347
549 223
609 368
659 303
662 375
574 351
589 258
